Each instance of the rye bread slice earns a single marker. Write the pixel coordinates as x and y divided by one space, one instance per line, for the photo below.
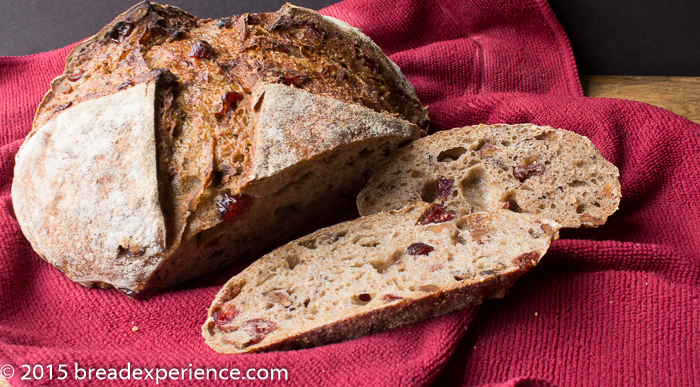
539 170
374 273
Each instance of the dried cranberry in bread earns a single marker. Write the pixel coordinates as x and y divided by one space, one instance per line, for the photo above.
172 145
539 170
374 273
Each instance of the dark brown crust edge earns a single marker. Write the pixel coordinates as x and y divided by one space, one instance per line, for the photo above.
81 47
287 12
356 36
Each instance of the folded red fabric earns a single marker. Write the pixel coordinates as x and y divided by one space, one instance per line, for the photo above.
613 305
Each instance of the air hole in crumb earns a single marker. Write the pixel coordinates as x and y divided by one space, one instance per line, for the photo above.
451 154
580 209
306 303
416 174
577 184
292 261
512 203
381 265
542 136
474 187
365 240
430 191
477 147
506 143
596 204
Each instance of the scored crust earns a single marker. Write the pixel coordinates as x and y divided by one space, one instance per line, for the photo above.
94 167
227 126
540 170
373 273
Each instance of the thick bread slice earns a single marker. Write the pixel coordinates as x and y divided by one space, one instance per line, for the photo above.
374 273
540 170
215 140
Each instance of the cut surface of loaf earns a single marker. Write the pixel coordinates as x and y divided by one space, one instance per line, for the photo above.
236 130
374 273
539 170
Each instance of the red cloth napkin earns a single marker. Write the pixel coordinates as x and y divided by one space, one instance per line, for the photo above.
609 306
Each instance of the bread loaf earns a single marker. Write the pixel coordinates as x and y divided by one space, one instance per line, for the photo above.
539 170
374 273
172 145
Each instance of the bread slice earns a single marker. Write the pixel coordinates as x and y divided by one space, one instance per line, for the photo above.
172 146
374 273
539 170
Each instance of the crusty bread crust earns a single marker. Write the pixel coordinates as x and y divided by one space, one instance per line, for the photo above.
260 123
527 168
369 274
86 185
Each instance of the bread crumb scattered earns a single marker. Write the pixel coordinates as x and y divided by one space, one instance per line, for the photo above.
537 314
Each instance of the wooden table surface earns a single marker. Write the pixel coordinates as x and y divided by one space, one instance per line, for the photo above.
680 95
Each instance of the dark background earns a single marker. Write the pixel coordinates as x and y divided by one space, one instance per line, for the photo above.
609 37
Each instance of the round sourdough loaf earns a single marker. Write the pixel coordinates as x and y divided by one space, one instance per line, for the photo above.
172 145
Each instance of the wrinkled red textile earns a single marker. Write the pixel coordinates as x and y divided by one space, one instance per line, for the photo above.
617 305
